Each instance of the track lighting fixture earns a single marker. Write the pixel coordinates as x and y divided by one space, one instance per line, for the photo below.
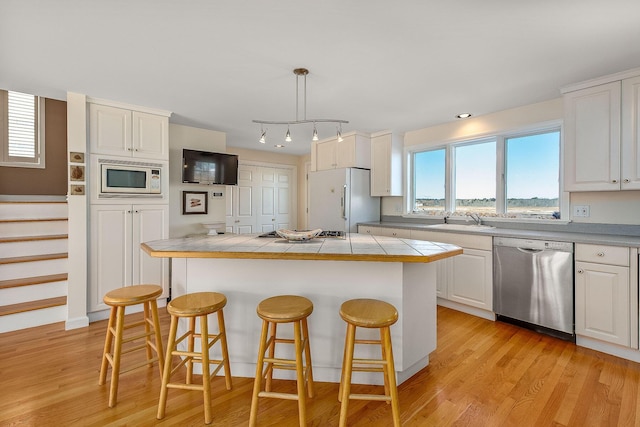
300 72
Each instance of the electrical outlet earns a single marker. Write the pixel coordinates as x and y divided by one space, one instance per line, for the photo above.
581 211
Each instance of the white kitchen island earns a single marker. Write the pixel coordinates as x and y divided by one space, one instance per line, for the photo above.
328 271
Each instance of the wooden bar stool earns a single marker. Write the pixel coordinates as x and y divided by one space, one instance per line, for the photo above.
284 309
199 304
118 300
368 313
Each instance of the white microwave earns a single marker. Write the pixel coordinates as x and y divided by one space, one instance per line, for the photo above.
130 178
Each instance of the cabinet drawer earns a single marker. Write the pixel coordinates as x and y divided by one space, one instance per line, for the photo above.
467 241
614 255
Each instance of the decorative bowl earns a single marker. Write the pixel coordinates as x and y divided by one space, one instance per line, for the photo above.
298 236
214 227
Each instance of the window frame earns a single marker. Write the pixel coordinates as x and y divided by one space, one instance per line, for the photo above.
38 161
500 138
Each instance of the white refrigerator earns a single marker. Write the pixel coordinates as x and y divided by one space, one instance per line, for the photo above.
339 199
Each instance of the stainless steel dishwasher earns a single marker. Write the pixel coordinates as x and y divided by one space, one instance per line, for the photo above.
533 284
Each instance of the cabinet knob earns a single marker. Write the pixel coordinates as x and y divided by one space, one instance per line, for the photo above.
600 254
615 181
580 271
273 219
128 149
626 180
236 221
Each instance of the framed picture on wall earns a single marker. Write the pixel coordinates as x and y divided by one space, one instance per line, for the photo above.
194 202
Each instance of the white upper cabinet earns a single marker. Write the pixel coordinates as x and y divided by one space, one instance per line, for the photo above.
386 164
124 132
630 135
600 134
354 151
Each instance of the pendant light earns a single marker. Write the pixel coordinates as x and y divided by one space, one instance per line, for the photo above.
301 72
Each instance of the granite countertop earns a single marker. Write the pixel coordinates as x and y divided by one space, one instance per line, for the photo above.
599 237
354 247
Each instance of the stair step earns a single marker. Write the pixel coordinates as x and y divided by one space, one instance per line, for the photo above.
27 281
32 220
31 258
32 305
33 238
32 210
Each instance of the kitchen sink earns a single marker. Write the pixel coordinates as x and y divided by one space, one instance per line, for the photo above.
461 227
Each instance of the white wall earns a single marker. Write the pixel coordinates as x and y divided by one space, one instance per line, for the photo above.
198 139
489 124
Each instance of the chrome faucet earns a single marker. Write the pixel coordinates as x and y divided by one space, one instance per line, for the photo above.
476 218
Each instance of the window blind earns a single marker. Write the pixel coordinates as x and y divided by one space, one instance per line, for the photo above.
22 125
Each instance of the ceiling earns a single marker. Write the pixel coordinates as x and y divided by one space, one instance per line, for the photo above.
406 65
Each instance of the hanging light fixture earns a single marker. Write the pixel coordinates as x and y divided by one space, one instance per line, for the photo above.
263 134
301 72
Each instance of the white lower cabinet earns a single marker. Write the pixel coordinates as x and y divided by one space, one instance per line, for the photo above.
467 278
116 259
602 293
470 279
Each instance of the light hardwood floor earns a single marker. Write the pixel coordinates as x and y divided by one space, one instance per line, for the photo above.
482 374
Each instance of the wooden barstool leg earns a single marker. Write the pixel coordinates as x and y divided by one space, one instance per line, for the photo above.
166 376
302 393
206 369
225 350
344 364
272 354
346 377
156 327
391 375
190 347
117 352
108 341
147 331
257 384
307 355
385 370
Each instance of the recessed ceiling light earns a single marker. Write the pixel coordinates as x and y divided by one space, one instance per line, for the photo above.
279 146
463 115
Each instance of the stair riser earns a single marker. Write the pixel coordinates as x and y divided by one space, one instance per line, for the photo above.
29 319
18 229
37 247
31 269
32 292
33 210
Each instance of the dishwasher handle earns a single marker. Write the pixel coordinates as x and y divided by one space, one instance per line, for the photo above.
529 250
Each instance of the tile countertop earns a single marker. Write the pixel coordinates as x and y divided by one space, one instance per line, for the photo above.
598 238
354 247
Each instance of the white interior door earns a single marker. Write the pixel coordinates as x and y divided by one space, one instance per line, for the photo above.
241 207
274 207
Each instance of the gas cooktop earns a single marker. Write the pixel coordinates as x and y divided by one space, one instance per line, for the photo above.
323 233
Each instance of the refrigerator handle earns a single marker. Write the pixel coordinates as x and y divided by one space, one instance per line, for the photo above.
343 201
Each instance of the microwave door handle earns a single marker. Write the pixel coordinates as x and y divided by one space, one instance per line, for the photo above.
343 201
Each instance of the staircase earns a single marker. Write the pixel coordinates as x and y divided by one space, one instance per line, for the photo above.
33 264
